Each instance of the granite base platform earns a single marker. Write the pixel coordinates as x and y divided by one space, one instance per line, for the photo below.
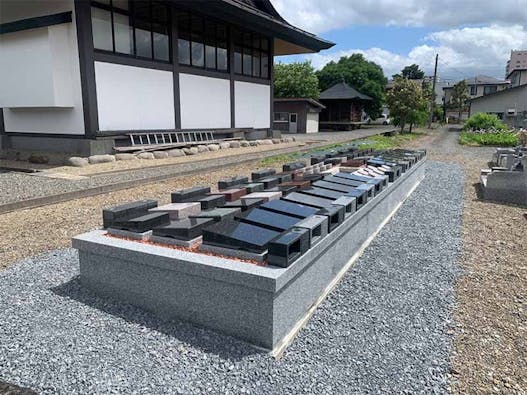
263 305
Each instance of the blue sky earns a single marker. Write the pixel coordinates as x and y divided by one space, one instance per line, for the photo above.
471 36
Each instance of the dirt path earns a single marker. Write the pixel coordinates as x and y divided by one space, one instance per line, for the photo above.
490 346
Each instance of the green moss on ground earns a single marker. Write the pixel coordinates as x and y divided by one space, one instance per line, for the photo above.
501 139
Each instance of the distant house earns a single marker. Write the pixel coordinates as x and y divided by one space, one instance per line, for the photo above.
477 86
75 75
510 105
344 107
297 115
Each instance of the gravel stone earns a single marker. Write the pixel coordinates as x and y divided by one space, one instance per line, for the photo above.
160 154
190 151
213 147
203 148
174 153
235 144
76 161
125 157
225 145
94 159
244 143
146 155
383 329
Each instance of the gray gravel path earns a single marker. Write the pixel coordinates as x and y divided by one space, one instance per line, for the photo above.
21 186
384 329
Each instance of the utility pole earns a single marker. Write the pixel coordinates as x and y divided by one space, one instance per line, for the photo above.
433 97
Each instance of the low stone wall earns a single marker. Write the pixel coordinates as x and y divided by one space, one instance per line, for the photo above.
260 304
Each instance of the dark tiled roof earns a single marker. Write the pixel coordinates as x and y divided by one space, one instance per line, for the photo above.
343 91
313 102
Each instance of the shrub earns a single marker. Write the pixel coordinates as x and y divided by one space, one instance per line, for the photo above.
484 122
501 139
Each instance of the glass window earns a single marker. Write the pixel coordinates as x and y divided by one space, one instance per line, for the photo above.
208 42
281 117
473 90
101 21
254 55
140 28
490 89
265 65
238 60
247 61
143 39
256 64
123 34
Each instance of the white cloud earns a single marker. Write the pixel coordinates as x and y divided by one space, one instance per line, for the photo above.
322 16
462 52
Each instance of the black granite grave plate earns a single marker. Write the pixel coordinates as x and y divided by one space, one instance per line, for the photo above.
335 215
293 166
184 229
186 194
239 235
270 182
125 211
344 181
356 177
285 189
228 183
260 174
253 187
219 213
211 201
267 219
289 208
333 186
323 193
245 204
143 223
307 200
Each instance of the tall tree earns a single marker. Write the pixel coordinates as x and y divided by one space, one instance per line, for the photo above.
407 103
413 72
365 76
295 80
460 97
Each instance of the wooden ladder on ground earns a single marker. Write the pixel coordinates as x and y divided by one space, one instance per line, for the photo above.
169 138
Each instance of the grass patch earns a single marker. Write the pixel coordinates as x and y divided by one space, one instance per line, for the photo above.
502 139
377 142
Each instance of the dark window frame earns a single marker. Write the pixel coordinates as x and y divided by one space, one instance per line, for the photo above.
206 40
151 20
252 44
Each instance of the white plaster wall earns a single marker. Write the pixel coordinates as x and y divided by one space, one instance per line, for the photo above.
60 55
134 98
312 122
205 102
252 105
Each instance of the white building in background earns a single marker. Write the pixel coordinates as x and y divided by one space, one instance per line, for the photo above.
77 74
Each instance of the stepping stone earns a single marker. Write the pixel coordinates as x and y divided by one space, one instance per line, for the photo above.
268 219
183 229
128 210
288 247
239 235
178 210
219 214
263 195
289 208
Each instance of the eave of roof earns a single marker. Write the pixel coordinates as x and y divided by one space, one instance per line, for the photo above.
270 22
502 92
343 91
515 70
309 100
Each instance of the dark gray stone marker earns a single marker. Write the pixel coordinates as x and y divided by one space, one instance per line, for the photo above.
318 227
219 214
284 177
143 223
183 229
245 204
349 203
253 187
285 189
239 235
370 188
288 247
323 193
378 182
270 220
211 201
186 195
228 183
293 166
301 198
269 182
317 159
264 173
125 211
333 186
335 216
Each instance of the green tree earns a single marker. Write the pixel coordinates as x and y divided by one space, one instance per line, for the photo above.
408 103
413 72
460 97
295 80
365 76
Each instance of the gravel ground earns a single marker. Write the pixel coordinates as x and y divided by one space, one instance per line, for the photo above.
22 186
384 329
